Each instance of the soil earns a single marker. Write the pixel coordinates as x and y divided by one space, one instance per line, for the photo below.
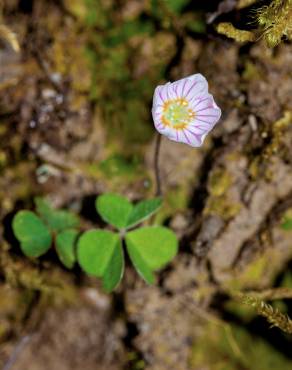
62 115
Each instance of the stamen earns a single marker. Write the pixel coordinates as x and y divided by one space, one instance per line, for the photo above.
177 114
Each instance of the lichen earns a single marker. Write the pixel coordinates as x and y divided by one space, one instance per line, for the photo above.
276 146
227 29
277 133
219 182
222 207
219 202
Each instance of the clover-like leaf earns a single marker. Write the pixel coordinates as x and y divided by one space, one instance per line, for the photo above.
139 263
151 248
57 220
114 209
99 253
65 247
115 270
143 210
34 236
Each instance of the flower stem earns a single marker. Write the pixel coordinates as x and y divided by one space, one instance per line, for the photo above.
156 164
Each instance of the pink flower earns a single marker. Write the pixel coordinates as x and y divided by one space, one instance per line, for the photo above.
184 111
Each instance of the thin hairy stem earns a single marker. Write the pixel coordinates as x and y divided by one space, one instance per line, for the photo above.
156 164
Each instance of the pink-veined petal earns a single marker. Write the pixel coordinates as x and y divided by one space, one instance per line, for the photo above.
197 139
159 97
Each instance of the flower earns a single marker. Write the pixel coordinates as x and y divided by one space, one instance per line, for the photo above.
184 111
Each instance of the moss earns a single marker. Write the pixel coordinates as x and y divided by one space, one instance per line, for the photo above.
287 280
277 145
276 21
175 200
253 274
254 167
233 348
277 135
126 60
272 315
77 8
19 273
70 59
19 183
286 223
251 71
260 272
222 207
3 159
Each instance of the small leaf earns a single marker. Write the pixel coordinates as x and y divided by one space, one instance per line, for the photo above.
65 247
143 210
57 220
140 265
34 237
114 209
99 254
115 270
151 248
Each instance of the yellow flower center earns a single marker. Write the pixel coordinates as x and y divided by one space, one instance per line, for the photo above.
177 114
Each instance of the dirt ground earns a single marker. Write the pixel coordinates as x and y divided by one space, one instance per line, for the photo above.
75 121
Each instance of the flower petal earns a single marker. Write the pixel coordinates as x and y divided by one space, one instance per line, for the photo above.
159 97
190 86
196 139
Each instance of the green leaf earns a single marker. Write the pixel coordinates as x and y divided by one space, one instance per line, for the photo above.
57 220
114 209
34 237
65 247
115 270
143 210
100 254
140 265
151 248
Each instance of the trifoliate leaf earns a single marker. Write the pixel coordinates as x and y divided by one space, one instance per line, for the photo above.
34 236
